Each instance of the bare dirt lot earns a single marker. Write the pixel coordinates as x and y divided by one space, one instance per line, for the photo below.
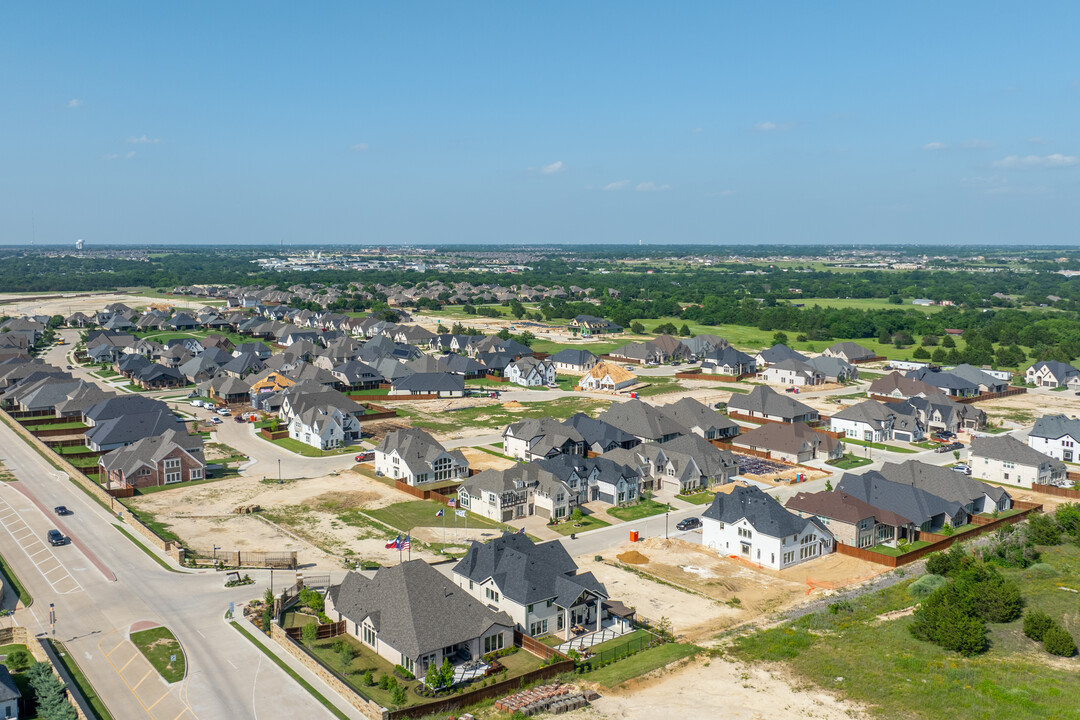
704 688
1019 410
15 304
316 516
481 460
700 570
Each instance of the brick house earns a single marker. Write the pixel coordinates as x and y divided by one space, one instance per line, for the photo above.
171 457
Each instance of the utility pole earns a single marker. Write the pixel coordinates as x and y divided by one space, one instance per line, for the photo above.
279 471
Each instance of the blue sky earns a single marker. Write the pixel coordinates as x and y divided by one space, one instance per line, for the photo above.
507 122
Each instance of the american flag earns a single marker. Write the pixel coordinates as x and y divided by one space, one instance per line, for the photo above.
451 502
405 544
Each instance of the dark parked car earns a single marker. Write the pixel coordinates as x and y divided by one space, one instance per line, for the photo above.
690 523
61 510
240 419
366 456
57 538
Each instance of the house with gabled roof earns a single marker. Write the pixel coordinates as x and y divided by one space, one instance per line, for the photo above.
727 361
539 586
849 352
765 403
520 491
173 456
539 438
413 616
700 419
1004 459
414 456
607 377
850 520
576 360
744 522
1050 373
792 372
926 511
977 497
643 421
600 436
1057 436
530 372
793 442
777 353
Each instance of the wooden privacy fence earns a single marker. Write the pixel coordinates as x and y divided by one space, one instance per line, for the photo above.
1059 491
876 358
710 376
442 495
992 396
322 632
939 544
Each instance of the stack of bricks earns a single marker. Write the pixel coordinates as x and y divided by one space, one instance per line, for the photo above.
556 698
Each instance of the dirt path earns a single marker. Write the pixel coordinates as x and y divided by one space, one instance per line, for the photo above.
706 688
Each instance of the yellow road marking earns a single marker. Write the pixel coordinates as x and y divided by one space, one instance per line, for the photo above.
148 674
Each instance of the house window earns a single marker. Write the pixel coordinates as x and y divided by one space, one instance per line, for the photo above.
195 474
491 594
172 463
369 636
422 477
530 608
745 532
173 477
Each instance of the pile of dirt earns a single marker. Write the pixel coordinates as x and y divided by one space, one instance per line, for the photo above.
513 405
633 557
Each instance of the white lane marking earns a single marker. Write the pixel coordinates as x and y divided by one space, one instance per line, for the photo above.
17 528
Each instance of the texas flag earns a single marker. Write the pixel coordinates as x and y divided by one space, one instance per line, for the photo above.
394 544
439 514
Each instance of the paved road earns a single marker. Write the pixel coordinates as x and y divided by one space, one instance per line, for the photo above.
94 612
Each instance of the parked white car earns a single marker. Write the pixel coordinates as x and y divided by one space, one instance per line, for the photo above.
224 412
215 421
196 403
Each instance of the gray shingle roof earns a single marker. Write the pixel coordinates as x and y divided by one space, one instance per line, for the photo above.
1009 449
691 413
414 608
528 573
641 420
762 511
943 482
1056 426
907 500
764 400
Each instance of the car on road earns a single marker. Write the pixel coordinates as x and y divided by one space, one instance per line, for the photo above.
950 446
56 538
215 421
70 368
223 412
196 403
240 419
61 510
366 456
690 523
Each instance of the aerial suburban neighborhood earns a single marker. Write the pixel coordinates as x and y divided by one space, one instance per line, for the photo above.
609 361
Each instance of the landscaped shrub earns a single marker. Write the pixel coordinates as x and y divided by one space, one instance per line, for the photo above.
926 585
946 562
1036 623
401 672
989 595
1058 641
312 599
387 681
52 702
308 633
398 695
19 660
369 678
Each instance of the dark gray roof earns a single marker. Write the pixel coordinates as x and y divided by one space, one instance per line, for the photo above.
1056 426
851 350
528 573
1009 449
779 352
131 427
600 436
907 500
764 400
941 481
691 413
414 608
943 380
641 420
573 356
8 689
762 511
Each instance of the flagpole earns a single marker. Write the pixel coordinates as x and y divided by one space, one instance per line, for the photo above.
409 538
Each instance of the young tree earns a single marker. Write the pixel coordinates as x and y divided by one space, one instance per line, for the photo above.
52 702
19 660
309 633
1036 623
939 356
345 658
948 342
433 677
779 338
637 328
1058 641
684 331
921 353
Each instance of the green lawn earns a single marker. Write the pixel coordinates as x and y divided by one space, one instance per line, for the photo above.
68 661
880 665
643 509
498 416
658 386
295 446
588 522
59 426
895 552
163 651
162 530
10 579
698 498
641 663
878 446
421 513
363 659
849 461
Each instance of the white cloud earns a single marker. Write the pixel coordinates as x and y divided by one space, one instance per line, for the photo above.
617 185
110 156
770 126
555 167
650 187
1037 162
359 147
934 146
129 154
695 131
143 140
74 103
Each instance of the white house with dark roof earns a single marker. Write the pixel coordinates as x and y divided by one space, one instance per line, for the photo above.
1051 374
530 372
745 522
792 371
414 616
1004 459
415 457
765 403
849 352
539 438
538 586
1057 436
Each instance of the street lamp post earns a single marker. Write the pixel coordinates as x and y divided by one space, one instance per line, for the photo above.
279 471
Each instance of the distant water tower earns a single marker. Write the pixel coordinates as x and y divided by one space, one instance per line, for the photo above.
79 244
